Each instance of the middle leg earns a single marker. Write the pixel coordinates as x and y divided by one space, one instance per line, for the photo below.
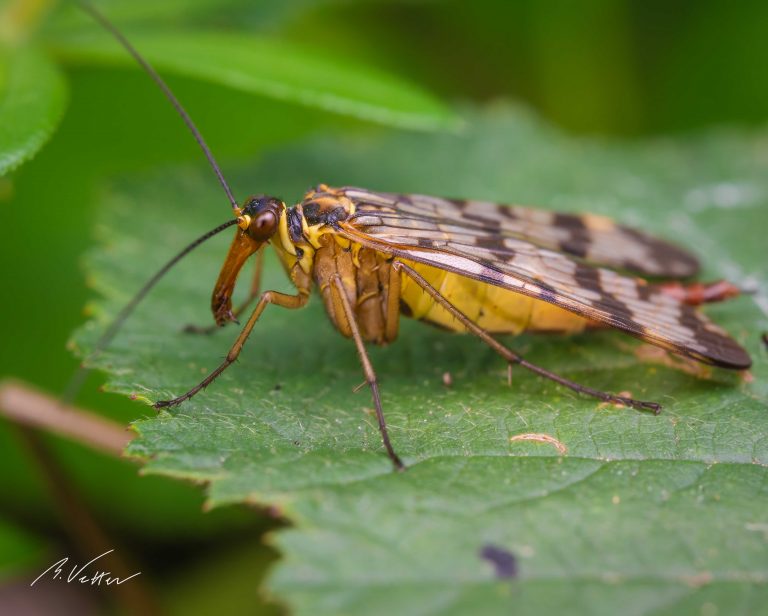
370 375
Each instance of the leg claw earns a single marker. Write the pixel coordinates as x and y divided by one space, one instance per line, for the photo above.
164 404
639 405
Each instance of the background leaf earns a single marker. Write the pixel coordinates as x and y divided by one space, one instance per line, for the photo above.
32 99
285 71
72 17
18 549
251 14
642 515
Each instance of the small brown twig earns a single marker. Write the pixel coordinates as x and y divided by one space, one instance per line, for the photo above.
28 407
32 410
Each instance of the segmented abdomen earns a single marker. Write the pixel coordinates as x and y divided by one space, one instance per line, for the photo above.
495 309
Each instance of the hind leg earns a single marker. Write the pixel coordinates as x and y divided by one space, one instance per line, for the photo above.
512 357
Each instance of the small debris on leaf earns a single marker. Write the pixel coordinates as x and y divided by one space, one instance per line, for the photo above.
541 438
504 562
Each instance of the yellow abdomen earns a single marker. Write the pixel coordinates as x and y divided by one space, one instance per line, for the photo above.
493 308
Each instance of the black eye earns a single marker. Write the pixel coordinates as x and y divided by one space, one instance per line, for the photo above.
252 205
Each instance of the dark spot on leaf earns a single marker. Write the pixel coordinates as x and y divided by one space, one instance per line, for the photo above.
504 562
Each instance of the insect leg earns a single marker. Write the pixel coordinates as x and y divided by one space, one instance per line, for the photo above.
370 375
392 318
514 358
253 294
269 297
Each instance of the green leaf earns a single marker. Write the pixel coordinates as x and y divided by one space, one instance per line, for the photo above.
122 12
32 100
223 583
642 514
253 14
287 72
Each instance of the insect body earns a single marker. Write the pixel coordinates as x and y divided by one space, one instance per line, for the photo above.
466 266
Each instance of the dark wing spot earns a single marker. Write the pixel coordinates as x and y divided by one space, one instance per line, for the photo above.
579 240
494 245
588 278
486 221
507 212
677 261
576 246
569 221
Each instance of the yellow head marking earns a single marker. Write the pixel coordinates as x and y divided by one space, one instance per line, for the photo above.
243 221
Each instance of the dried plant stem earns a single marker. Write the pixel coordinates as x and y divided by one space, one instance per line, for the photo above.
29 407
31 411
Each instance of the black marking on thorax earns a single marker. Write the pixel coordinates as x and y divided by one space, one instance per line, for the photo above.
319 214
294 224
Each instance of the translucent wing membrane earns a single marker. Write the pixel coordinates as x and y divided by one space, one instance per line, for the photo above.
525 251
596 239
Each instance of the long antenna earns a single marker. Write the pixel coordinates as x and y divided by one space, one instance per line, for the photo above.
76 382
93 12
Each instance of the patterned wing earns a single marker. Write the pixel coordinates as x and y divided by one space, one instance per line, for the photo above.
596 239
475 251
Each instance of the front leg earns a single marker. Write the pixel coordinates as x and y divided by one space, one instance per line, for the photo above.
269 297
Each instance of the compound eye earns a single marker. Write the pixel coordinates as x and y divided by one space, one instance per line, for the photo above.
263 225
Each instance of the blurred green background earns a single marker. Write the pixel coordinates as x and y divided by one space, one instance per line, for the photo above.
607 68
